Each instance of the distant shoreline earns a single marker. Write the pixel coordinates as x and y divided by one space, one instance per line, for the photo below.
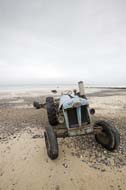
123 88
44 87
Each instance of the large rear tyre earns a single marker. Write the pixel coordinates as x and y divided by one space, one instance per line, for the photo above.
109 136
51 143
51 111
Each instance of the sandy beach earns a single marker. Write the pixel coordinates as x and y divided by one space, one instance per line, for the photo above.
82 163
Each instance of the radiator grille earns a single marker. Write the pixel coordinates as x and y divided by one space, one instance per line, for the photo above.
84 115
72 117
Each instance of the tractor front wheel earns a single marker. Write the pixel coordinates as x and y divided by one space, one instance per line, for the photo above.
108 136
51 143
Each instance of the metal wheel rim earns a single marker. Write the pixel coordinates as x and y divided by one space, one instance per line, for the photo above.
103 138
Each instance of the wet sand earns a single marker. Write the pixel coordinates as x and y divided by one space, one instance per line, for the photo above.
82 163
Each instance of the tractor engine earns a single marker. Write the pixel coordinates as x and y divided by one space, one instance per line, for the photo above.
75 111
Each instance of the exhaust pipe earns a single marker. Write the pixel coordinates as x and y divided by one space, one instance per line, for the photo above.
81 89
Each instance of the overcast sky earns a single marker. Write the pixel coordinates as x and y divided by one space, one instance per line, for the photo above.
63 40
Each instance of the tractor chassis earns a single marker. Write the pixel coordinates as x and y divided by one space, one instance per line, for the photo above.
62 132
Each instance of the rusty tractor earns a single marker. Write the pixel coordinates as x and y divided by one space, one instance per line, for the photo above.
69 115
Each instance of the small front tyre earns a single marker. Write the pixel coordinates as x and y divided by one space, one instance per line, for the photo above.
108 136
51 143
37 105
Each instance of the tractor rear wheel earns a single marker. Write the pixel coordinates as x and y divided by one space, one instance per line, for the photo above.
108 137
51 143
51 111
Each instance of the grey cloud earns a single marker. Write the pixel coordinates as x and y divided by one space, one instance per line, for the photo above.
77 39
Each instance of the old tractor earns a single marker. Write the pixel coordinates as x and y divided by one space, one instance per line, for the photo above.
70 115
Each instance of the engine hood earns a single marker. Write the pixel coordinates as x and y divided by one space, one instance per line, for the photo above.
71 101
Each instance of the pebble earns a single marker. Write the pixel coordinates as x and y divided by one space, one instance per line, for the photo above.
103 170
65 165
36 136
57 187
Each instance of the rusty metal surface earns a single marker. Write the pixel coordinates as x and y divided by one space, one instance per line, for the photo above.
80 131
62 131
97 130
